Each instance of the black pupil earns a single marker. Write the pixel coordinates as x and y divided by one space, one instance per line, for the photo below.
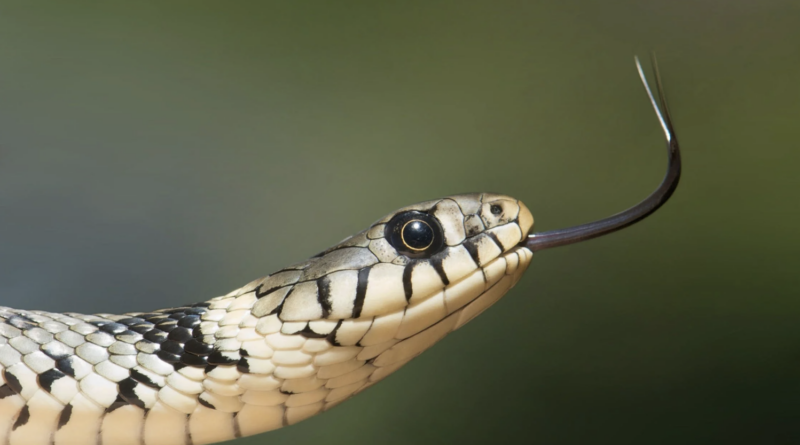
496 209
417 235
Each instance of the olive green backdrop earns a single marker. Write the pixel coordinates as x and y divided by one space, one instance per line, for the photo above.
153 153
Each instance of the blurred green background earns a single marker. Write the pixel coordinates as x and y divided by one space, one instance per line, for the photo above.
155 153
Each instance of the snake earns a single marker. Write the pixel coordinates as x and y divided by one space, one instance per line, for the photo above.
285 347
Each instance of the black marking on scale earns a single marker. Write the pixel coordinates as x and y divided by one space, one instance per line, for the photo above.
55 355
6 391
180 334
178 366
127 390
47 378
143 379
407 271
12 381
242 366
485 279
196 346
155 335
169 358
492 236
332 336
261 292
21 322
113 328
361 292
371 322
324 295
189 359
119 402
472 247
206 403
65 365
23 418
63 418
436 262
131 321
307 332
143 328
189 321
218 358
279 308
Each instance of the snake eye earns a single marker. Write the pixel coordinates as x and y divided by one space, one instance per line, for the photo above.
415 234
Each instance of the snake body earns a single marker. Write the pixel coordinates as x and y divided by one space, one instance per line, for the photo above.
272 353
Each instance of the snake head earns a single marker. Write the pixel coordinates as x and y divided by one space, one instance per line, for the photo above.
409 270
330 327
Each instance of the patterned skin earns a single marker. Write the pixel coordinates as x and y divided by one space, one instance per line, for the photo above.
272 353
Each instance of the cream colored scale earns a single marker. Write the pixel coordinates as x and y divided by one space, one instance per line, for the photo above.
285 347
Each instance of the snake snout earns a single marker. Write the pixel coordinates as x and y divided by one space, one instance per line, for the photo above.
525 220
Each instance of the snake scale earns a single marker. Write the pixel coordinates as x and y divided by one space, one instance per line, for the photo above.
282 348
